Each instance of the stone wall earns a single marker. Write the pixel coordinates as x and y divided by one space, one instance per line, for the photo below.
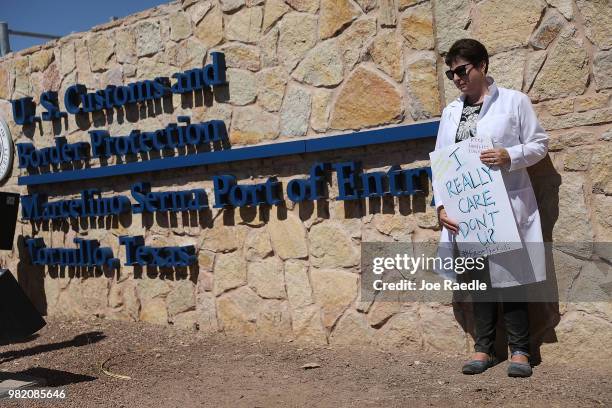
305 68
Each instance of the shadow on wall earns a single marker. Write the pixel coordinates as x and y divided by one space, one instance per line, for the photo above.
31 278
543 316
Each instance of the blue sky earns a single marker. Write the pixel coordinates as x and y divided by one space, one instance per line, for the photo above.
61 17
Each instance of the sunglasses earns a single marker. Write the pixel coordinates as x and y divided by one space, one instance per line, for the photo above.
461 71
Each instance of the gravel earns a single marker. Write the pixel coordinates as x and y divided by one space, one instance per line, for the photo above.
157 366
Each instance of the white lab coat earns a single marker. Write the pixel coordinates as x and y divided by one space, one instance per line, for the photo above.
508 116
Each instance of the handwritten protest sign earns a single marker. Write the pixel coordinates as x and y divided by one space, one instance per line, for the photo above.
474 195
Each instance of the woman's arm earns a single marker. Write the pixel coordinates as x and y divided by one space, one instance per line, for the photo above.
534 140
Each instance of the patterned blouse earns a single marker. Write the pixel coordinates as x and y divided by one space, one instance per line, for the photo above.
467 123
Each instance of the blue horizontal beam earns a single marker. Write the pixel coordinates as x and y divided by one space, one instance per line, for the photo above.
334 142
376 136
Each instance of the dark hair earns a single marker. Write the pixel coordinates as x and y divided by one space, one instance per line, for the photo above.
470 50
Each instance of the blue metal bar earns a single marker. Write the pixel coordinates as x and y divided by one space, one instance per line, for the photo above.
334 142
375 136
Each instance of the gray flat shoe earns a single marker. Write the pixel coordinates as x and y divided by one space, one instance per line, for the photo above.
519 369
478 366
516 369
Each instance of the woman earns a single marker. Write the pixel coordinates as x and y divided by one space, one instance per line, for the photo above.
519 141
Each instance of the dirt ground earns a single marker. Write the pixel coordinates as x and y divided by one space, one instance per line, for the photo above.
176 368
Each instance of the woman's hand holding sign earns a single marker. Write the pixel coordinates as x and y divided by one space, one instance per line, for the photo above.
495 157
490 157
451 225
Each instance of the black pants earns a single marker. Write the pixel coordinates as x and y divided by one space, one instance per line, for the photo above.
485 306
